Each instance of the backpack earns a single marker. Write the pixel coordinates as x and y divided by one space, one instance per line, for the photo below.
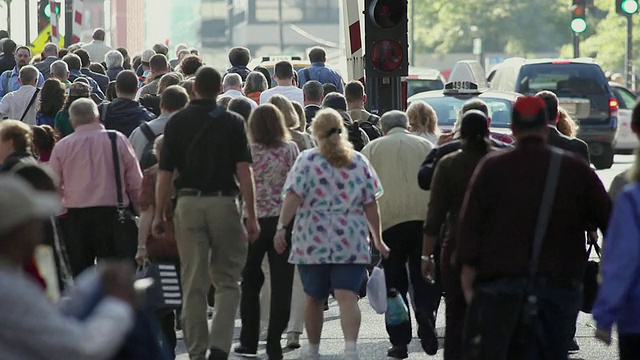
148 158
355 137
373 132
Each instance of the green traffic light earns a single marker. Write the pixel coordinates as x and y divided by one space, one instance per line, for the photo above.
629 6
578 25
47 10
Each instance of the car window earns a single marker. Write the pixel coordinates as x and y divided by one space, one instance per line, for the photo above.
448 107
575 82
419 85
625 98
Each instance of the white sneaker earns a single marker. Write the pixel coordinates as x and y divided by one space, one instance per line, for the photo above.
308 354
293 340
351 355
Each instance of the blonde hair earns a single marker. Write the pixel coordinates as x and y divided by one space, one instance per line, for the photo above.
566 125
423 118
301 116
18 132
283 104
157 145
331 136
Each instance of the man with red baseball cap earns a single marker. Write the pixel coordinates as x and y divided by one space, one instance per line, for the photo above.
498 222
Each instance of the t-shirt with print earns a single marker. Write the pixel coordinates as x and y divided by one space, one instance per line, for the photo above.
330 225
270 169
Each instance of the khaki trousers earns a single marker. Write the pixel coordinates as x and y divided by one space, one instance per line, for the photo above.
213 249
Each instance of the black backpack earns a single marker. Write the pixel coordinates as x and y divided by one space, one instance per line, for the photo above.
148 158
355 136
373 131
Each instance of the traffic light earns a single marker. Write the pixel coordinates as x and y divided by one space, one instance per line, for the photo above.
45 12
579 20
386 40
627 7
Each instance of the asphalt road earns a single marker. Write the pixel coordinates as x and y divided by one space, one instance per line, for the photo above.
373 341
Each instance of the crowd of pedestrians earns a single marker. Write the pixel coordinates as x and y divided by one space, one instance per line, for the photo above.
271 199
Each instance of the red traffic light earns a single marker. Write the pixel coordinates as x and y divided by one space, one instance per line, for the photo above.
387 55
387 14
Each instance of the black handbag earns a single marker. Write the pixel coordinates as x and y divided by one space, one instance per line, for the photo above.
590 280
125 229
165 293
502 311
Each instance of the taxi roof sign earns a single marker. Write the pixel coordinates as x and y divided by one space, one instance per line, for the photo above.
461 87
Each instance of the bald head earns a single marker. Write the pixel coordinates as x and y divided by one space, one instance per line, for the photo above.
232 81
50 49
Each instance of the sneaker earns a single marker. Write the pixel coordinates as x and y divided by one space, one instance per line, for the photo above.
351 355
245 352
293 340
217 354
398 352
307 354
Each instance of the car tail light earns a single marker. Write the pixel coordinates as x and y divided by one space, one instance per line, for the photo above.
613 107
563 62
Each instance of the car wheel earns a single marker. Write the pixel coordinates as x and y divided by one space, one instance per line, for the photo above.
604 160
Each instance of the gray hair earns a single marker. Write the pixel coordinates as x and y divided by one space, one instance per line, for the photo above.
59 68
113 59
50 49
393 119
313 91
256 82
231 80
29 75
83 111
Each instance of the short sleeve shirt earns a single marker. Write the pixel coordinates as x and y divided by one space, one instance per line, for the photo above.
270 169
330 225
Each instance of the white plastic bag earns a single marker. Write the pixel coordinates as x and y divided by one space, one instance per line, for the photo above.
377 290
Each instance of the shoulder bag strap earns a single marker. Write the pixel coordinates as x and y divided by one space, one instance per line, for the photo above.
147 132
544 214
103 116
33 99
113 136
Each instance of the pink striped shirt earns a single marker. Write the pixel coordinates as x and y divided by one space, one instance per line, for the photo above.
83 162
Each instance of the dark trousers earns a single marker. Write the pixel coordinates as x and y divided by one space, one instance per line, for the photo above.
456 307
547 336
629 345
90 234
405 242
281 285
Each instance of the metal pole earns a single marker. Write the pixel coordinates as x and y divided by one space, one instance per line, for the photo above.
68 22
8 16
628 59
412 47
281 26
576 45
27 22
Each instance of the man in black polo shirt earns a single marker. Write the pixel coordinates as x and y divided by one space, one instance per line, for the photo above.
208 147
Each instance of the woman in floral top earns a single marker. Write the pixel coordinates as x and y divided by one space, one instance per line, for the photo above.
332 191
273 156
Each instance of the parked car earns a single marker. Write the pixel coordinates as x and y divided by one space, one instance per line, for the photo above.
582 90
626 141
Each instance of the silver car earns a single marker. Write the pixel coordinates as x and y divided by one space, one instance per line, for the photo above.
625 141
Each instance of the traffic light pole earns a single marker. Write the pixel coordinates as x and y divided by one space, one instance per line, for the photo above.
68 23
628 59
27 23
576 45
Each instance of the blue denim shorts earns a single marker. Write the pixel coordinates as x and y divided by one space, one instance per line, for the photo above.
319 280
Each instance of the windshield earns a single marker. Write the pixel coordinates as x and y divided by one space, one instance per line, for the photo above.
448 107
419 85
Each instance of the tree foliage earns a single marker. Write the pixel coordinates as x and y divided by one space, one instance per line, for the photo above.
516 27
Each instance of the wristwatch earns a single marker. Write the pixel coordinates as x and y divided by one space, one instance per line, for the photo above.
427 258
280 226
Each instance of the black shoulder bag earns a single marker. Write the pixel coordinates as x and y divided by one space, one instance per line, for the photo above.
125 229
33 99
500 308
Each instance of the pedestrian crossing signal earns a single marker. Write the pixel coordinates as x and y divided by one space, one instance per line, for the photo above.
627 7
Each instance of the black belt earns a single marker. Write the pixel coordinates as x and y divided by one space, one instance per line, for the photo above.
200 193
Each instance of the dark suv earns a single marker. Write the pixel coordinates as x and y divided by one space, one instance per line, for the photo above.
582 90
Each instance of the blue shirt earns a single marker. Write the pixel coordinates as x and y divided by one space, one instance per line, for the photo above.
318 71
619 295
14 84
